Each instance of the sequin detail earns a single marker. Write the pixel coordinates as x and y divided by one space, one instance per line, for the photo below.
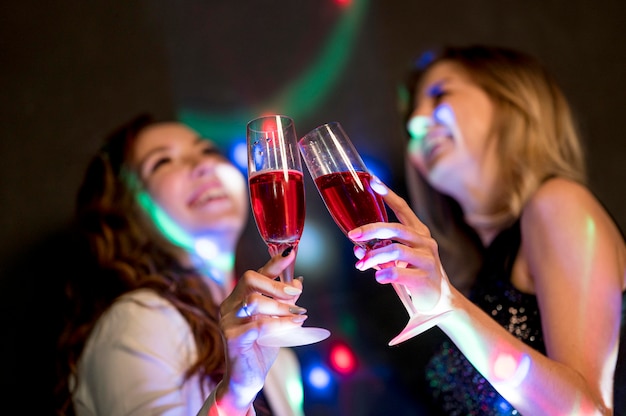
456 386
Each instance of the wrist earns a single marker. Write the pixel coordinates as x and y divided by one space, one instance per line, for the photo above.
230 401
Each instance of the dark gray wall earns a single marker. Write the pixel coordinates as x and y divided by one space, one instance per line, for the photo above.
73 70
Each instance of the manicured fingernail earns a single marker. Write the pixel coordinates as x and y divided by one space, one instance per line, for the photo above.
356 233
299 318
287 251
383 276
297 310
291 290
378 186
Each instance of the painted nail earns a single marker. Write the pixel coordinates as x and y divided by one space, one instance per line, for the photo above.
297 310
287 251
291 290
299 318
378 186
356 233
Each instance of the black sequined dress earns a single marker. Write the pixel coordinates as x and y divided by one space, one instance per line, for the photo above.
456 386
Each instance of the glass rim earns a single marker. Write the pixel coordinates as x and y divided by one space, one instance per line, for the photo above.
321 126
250 123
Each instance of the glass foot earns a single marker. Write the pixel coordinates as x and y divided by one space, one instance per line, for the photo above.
294 337
417 325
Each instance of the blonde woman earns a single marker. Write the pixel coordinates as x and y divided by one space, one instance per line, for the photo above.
538 264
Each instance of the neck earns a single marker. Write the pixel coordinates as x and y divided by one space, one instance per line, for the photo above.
215 259
487 226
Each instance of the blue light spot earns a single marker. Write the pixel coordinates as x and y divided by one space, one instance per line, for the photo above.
239 154
319 377
377 168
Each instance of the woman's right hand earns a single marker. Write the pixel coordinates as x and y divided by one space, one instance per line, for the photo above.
414 251
258 303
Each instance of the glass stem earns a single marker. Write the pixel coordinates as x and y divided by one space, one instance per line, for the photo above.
405 297
289 273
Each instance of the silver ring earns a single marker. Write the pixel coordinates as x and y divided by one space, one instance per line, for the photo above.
244 306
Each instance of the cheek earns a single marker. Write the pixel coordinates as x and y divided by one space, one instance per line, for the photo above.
165 192
234 182
476 124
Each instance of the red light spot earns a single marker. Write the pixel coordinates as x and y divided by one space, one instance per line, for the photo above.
269 125
342 359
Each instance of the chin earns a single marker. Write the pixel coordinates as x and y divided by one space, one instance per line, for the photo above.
443 179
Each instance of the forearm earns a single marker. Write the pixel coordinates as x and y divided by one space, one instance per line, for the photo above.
530 381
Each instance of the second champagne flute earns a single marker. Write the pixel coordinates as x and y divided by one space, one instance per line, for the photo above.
277 198
343 182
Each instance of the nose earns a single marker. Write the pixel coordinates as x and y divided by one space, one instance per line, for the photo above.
202 166
418 126
423 108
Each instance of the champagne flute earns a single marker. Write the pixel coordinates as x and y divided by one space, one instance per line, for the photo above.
276 186
343 182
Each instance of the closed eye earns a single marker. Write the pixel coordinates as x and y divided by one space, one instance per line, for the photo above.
437 93
211 150
159 163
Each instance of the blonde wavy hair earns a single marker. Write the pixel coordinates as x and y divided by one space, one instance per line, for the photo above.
537 139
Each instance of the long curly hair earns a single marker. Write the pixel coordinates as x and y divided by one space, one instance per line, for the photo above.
536 135
121 250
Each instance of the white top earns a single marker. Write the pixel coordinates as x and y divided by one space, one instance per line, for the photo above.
135 360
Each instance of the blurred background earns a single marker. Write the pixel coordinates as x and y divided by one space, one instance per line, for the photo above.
73 70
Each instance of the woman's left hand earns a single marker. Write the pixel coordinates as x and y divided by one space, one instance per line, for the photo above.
258 303
411 260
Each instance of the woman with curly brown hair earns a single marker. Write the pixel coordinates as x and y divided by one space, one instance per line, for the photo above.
158 323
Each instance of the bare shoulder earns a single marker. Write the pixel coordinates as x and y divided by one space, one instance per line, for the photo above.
564 223
560 201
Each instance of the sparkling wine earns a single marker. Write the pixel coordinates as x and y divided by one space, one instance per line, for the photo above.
278 205
350 199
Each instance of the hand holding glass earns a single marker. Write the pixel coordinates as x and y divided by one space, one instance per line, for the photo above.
343 182
277 197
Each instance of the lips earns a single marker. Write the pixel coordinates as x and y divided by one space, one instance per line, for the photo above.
433 143
206 194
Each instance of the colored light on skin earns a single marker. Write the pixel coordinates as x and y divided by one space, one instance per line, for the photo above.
205 247
208 247
511 370
342 359
417 128
443 114
418 125
164 223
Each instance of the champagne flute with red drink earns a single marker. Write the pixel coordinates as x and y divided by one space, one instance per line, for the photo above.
344 183
276 186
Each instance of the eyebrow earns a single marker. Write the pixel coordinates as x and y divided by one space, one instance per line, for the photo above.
198 141
437 86
148 155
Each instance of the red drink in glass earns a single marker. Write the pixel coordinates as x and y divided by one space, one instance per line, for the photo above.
277 199
350 199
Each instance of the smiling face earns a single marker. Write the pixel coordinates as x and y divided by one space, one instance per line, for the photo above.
190 181
451 128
